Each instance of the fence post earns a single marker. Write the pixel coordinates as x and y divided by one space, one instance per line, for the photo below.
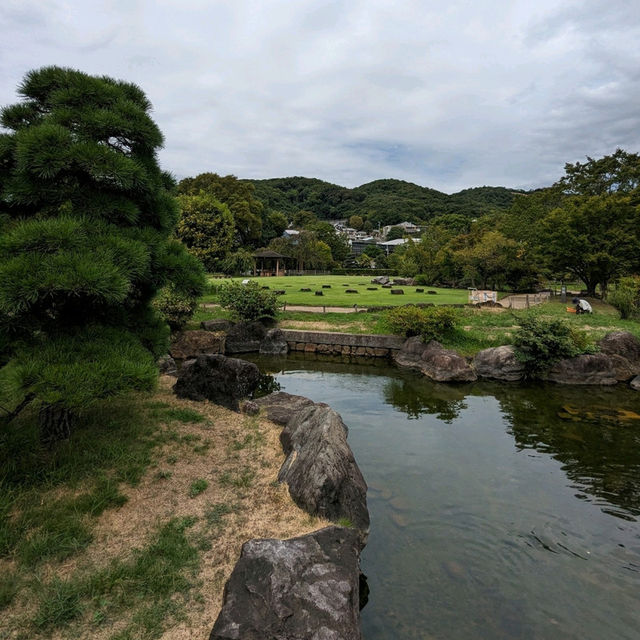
527 301
324 309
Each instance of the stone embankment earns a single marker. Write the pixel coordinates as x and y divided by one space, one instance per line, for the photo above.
305 587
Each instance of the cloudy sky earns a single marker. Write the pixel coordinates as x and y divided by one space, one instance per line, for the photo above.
445 94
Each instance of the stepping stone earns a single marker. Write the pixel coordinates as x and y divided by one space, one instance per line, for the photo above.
433 293
326 286
372 288
351 291
305 289
279 292
397 292
265 287
319 293
419 290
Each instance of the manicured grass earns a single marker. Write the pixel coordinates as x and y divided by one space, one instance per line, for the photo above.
336 296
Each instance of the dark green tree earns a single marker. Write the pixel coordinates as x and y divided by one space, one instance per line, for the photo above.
86 217
239 196
206 228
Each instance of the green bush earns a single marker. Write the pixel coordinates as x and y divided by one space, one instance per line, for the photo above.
433 323
625 297
540 343
175 306
248 301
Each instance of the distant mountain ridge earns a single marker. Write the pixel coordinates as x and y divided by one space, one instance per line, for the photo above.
386 201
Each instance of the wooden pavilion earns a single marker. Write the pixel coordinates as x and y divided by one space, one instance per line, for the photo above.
268 263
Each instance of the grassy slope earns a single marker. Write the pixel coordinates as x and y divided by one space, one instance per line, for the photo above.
129 530
336 296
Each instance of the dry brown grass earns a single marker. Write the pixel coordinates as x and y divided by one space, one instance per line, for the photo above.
239 457
322 326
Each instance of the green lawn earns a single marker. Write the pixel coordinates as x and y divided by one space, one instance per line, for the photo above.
336 296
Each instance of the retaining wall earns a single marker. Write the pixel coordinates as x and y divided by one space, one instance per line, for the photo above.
371 345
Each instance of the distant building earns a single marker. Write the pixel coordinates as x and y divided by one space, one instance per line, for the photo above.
358 246
408 227
290 233
390 245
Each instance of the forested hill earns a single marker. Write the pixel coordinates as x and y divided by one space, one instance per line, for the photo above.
381 201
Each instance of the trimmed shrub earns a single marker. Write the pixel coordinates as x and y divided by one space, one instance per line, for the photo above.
540 343
249 301
176 307
432 323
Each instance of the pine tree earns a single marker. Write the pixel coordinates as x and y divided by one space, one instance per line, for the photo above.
86 216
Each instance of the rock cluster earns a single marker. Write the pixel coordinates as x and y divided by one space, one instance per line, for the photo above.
434 361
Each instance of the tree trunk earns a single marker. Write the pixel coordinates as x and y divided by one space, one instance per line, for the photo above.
55 424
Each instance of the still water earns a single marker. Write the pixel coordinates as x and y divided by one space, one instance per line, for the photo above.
497 511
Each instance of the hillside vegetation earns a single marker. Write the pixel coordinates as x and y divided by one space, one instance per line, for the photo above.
381 201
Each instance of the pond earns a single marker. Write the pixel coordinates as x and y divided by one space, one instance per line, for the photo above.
497 511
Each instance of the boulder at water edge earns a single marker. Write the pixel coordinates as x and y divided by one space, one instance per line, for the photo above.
274 343
217 378
434 361
245 337
624 349
320 469
189 344
301 588
499 363
597 368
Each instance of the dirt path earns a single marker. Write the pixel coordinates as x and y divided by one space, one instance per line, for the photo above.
299 307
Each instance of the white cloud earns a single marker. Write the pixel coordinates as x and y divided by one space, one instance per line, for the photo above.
446 95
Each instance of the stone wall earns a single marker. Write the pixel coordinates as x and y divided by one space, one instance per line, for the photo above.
328 343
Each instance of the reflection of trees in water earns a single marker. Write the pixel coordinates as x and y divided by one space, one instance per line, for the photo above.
415 398
601 456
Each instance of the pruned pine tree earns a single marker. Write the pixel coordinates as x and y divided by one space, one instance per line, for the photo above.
86 217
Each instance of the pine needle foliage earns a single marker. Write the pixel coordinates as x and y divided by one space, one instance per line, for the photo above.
86 217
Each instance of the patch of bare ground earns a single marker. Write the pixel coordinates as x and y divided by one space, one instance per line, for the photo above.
321 326
220 472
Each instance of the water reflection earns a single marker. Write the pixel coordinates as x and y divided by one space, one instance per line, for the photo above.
491 504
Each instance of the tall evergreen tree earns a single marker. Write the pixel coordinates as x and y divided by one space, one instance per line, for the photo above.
85 221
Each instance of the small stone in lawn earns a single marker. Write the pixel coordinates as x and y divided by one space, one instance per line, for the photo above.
372 288
326 286
351 291
305 289
319 293
419 290
397 292
433 293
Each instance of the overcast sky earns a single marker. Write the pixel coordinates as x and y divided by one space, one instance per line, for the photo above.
449 94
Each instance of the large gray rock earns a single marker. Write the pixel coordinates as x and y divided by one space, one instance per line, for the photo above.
274 343
167 366
222 380
624 348
320 469
219 324
597 368
403 282
434 361
280 407
305 588
635 383
380 280
245 337
499 363
189 344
